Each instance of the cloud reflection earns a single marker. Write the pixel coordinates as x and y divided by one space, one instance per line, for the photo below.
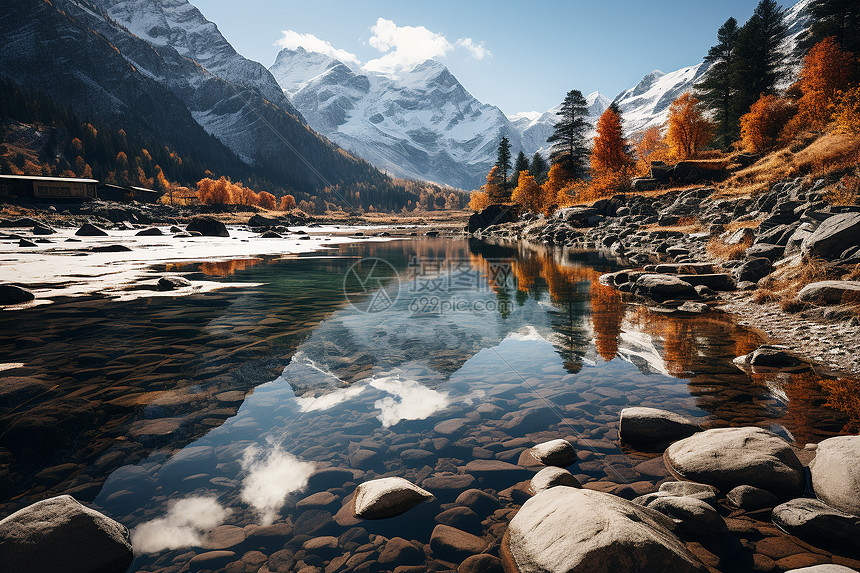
186 522
408 401
272 474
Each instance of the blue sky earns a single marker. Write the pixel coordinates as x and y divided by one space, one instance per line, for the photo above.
516 55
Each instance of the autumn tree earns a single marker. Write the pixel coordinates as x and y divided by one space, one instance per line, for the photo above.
568 140
716 88
651 146
758 62
762 125
266 200
528 193
827 69
288 203
479 200
847 111
610 147
503 165
493 188
539 167
556 181
689 130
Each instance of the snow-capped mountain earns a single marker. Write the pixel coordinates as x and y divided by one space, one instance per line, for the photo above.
536 127
419 123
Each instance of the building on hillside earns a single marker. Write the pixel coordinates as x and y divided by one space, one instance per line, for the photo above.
125 193
48 188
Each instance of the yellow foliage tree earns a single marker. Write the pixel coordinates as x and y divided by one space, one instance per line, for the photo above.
689 130
847 110
554 188
651 146
528 193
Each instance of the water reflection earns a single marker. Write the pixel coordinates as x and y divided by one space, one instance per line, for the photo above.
222 410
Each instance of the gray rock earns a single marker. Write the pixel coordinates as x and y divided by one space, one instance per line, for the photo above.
702 491
825 293
836 473
693 516
766 250
554 453
150 232
60 534
552 477
208 227
753 270
729 457
664 287
817 523
568 530
743 235
387 497
766 356
11 294
751 498
25 243
43 230
639 424
833 236
89 230
110 249
171 283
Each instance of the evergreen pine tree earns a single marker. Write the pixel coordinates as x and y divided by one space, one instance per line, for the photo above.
503 162
521 165
758 60
569 145
539 168
838 18
715 89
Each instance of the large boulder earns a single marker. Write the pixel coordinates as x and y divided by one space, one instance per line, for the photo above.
729 457
208 227
60 534
11 294
753 269
493 215
387 497
825 293
836 473
833 236
569 530
258 220
693 516
819 524
663 287
645 425
554 453
552 477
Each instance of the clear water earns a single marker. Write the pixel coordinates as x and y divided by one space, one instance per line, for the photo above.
202 423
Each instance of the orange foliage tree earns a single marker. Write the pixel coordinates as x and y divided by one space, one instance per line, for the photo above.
651 146
479 200
608 153
847 110
528 193
827 69
762 125
288 203
689 130
493 187
554 188
266 200
215 191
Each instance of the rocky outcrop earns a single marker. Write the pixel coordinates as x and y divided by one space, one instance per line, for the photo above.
493 215
646 425
833 236
568 530
836 473
60 534
661 287
826 293
817 523
729 457
387 497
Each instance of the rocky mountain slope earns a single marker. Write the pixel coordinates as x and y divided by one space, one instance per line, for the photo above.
421 123
162 68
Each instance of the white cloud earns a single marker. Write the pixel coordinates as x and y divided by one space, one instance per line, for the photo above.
408 401
183 526
478 51
292 40
404 47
